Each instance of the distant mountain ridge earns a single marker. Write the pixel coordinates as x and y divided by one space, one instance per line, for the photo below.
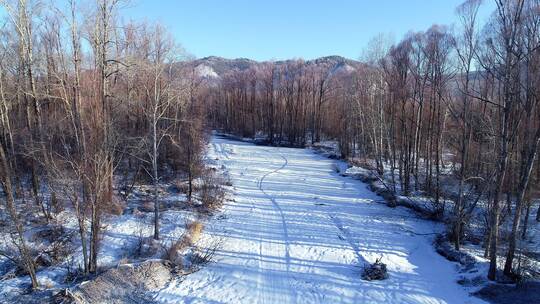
216 67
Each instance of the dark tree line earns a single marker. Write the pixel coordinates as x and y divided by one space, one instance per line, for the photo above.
286 102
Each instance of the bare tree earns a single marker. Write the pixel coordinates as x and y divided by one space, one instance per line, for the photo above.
160 91
466 44
507 54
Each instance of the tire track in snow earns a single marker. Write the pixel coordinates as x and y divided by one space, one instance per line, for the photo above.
276 205
272 245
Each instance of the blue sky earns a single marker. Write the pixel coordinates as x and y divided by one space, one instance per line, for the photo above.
280 29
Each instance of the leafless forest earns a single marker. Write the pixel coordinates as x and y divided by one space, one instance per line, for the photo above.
91 106
459 101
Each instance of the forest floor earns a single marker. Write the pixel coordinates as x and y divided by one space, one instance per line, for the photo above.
299 232
126 240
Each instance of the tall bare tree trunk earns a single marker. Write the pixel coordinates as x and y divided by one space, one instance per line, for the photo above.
523 185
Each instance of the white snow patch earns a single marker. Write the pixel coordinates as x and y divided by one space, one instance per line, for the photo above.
205 71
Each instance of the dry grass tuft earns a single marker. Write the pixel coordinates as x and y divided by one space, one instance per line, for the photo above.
174 252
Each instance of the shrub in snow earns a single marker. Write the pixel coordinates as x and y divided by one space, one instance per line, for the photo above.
471 282
194 258
444 248
177 250
375 271
526 292
145 247
212 193
55 245
49 233
130 283
74 272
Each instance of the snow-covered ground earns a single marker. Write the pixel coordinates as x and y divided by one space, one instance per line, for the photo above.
121 235
298 232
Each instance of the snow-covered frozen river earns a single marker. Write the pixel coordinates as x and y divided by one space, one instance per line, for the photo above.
298 232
